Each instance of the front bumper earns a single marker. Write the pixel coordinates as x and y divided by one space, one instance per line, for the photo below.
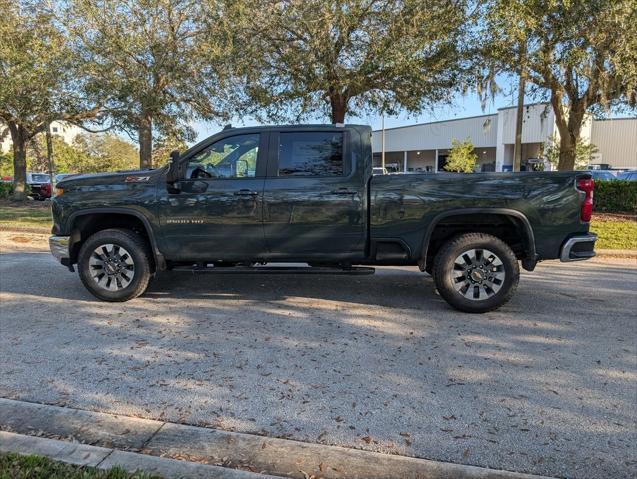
578 248
59 246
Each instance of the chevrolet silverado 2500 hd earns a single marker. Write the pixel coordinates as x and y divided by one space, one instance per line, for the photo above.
284 194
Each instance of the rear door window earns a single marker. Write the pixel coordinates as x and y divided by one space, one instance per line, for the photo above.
318 154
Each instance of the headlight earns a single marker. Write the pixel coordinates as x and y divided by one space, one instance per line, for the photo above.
59 191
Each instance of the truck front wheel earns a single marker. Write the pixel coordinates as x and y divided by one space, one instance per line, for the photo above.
114 265
476 272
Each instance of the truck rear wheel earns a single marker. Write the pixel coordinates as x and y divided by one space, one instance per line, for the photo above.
114 265
476 272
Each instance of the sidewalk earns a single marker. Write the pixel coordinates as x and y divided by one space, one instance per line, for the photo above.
106 440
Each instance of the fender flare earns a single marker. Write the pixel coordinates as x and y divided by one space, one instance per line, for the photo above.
529 240
160 261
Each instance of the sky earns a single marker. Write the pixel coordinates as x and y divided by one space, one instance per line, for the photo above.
463 106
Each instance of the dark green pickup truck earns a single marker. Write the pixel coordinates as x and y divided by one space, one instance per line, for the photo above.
250 196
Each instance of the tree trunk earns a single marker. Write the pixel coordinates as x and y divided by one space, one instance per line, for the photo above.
338 103
19 139
145 134
519 119
570 127
49 152
567 153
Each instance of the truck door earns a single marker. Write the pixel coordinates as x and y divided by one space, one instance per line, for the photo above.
217 211
314 196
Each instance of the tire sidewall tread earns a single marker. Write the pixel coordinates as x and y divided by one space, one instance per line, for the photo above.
138 249
446 256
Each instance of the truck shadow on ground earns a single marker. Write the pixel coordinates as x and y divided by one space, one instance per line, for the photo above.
544 385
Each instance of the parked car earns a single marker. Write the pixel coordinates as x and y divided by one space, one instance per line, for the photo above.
311 197
630 175
603 175
40 185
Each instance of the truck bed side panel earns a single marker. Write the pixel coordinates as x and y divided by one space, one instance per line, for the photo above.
404 206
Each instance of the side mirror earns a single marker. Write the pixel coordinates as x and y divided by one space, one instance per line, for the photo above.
173 169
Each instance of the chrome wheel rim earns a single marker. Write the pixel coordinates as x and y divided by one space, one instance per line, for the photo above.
111 267
478 274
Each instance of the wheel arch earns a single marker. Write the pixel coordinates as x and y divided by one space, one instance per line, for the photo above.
518 219
83 223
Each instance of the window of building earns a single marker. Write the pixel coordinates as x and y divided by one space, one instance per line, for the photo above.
311 154
54 129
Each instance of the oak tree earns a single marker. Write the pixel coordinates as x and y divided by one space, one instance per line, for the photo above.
39 79
146 59
579 55
301 58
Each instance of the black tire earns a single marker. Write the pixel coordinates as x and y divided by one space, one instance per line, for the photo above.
471 282
135 250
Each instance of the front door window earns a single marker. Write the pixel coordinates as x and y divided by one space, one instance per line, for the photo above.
233 157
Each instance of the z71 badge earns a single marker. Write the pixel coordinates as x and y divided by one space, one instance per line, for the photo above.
136 179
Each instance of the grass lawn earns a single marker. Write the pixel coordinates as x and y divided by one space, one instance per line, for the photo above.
28 215
14 466
614 232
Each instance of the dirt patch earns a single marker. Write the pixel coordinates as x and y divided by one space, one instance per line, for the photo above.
10 242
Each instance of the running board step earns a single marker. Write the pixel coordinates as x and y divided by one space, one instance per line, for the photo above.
355 270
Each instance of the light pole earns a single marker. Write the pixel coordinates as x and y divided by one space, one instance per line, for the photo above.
382 142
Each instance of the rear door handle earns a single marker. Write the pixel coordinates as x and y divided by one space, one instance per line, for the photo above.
343 191
245 193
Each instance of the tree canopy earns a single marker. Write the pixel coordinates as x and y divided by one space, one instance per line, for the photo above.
39 78
462 157
146 59
340 57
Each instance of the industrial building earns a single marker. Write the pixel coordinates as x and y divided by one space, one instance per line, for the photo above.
424 147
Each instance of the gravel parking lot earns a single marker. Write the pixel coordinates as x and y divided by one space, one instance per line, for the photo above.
546 385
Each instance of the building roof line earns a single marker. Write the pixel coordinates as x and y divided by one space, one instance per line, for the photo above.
438 121
615 119
526 105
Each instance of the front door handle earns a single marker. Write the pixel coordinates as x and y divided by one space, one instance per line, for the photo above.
343 191
245 193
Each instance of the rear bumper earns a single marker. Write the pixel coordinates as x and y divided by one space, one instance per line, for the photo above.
578 248
59 246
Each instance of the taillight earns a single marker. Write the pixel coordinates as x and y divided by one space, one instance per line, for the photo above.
586 185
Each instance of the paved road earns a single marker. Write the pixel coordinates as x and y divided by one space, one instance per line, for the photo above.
546 385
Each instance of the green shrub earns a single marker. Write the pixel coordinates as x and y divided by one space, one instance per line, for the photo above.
5 189
616 196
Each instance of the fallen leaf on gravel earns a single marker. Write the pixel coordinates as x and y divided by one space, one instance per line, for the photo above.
367 439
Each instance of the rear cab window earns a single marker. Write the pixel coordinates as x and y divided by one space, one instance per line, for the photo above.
311 154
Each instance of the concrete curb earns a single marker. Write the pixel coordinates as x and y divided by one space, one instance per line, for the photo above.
616 253
274 456
104 458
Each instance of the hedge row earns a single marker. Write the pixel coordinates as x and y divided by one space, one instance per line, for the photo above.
5 189
616 196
